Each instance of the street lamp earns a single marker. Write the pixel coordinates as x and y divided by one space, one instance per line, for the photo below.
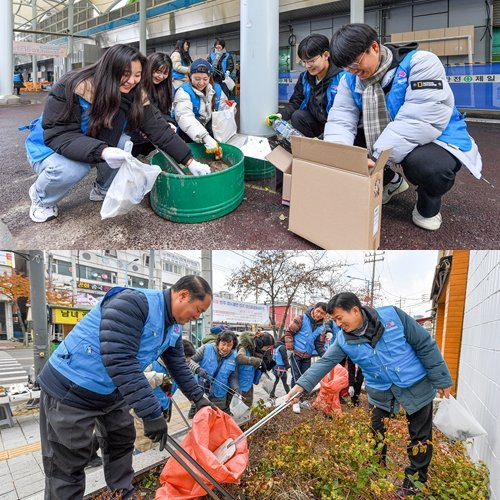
126 269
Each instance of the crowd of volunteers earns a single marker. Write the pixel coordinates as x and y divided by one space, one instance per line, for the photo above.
110 382
354 91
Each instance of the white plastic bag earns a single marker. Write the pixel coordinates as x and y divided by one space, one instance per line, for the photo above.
267 383
224 124
229 83
132 182
455 422
239 410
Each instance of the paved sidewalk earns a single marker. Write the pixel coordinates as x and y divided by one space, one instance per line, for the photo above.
21 470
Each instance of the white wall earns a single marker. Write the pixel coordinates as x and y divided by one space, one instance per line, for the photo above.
479 370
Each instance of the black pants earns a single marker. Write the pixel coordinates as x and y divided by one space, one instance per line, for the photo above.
432 169
280 375
304 122
299 366
66 437
420 430
356 380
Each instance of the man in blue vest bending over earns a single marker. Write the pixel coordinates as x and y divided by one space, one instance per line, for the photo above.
402 97
401 364
315 89
95 377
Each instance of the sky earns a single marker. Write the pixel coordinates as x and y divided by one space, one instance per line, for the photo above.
405 276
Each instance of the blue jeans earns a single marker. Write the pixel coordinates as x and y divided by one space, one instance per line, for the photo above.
58 174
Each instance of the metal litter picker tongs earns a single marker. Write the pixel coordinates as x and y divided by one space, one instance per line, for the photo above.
195 470
228 448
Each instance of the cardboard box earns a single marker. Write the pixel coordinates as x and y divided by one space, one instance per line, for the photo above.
282 160
336 201
422 35
437 47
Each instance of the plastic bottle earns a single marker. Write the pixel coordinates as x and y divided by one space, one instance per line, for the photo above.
285 129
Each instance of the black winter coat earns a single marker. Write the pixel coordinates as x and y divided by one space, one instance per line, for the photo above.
318 99
67 138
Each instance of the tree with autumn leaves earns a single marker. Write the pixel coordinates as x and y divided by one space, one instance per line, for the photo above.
16 287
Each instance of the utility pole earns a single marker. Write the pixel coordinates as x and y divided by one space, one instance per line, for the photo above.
372 258
38 310
152 269
206 273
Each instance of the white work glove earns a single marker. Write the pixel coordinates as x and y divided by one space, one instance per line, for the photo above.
351 391
115 157
197 168
210 143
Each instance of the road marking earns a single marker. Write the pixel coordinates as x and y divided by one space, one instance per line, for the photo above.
20 450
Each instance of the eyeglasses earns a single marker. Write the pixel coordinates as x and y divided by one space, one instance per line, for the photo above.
309 62
357 64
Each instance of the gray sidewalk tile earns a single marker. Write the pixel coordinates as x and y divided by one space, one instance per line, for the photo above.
5 487
31 477
31 488
26 471
11 495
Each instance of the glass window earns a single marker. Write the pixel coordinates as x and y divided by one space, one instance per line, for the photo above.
96 274
168 267
138 282
111 253
62 267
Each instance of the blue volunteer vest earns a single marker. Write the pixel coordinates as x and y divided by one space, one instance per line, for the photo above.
303 340
177 75
223 62
210 363
195 98
455 133
17 77
278 358
331 92
160 395
248 375
335 332
35 145
78 356
393 361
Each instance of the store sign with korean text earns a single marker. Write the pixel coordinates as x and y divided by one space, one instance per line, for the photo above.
65 316
473 79
93 286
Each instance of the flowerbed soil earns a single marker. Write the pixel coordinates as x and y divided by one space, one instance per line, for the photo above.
314 456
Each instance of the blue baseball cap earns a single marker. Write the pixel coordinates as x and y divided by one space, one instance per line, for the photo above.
200 66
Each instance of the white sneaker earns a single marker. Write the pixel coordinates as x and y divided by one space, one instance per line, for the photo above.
429 223
39 212
96 194
394 187
296 408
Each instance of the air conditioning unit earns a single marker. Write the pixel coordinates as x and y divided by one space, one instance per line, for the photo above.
86 256
135 268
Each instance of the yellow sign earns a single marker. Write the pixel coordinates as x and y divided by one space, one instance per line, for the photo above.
63 316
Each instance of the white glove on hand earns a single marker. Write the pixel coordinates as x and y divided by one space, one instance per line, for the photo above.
197 168
115 157
210 143
351 391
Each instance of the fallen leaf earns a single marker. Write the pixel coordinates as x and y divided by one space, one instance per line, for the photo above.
282 217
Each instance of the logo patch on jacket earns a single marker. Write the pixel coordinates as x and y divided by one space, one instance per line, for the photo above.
389 324
427 84
402 73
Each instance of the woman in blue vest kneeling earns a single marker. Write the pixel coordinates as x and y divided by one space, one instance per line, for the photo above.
254 358
315 89
403 99
215 365
194 102
83 124
401 364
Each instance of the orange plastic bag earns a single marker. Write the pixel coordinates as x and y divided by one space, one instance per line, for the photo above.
211 427
331 385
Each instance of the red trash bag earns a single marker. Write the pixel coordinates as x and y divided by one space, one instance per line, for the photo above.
211 427
331 385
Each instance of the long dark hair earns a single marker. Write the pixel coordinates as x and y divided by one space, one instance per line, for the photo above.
106 75
161 94
185 56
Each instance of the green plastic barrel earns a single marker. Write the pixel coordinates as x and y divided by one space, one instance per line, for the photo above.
190 199
256 169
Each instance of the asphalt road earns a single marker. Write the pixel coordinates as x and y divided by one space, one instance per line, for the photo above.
470 211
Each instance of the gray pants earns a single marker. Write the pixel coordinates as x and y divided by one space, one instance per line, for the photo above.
66 436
